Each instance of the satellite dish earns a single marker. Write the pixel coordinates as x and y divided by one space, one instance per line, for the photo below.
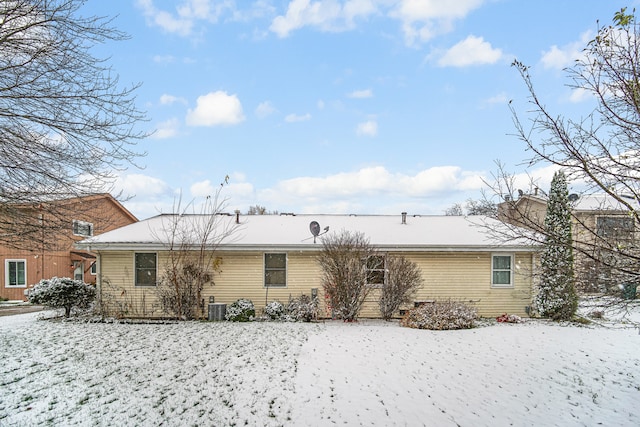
315 228
573 197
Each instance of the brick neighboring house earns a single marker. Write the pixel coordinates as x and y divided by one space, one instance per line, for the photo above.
47 250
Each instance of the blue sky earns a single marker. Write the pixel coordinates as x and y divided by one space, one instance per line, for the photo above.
338 106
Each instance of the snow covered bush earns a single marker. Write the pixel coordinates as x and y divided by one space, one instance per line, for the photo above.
241 310
302 309
63 293
508 318
274 310
440 315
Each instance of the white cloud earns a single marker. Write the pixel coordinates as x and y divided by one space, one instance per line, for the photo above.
293 118
580 95
164 59
500 98
203 189
166 129
320 104
359 94
368 128
186 15
540 177
216 108
141 186
561 57
166 99
471 51
265 109
327 15
165 20
378 180
424 19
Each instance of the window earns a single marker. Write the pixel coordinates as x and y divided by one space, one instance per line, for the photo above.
145 266
501 271
94 268
275 270
15 273
616 227
82 228
376 270
78 270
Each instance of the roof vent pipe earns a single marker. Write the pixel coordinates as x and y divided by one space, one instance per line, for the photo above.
404 217
237 211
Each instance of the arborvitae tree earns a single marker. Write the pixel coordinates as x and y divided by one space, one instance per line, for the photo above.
556 296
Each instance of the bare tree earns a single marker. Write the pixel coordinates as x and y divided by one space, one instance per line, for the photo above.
192 240
66 126
343 261
600 151
260 210
483 206
400 286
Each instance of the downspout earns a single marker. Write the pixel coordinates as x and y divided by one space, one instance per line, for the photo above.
99 279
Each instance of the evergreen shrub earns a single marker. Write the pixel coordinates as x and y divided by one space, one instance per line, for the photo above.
242 310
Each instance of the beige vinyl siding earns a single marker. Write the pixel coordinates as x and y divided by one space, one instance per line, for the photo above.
466 277
463 277
119 295
242 276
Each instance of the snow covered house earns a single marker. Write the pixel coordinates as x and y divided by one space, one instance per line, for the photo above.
273 257
41 240
603 229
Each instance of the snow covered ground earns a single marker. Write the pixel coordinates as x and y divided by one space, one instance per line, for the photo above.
370 373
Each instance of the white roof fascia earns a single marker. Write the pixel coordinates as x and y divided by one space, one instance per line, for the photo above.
158 247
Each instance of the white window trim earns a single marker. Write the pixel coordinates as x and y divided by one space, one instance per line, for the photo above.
93 270
6 273
135 275
264 270
78 265
511 268
383 269
83 223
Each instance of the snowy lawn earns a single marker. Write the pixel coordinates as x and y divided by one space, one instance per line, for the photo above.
368 373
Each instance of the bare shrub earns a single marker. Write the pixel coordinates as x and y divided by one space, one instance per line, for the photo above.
440 315
344 279
400 286
179 289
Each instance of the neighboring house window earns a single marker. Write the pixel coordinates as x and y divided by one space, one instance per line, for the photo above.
616 227
275 270
15 273
94 268
376 270
502 271
78 270
146 267
82 228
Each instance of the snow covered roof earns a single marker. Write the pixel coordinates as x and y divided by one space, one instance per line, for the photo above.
599 202
292 232
589 202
